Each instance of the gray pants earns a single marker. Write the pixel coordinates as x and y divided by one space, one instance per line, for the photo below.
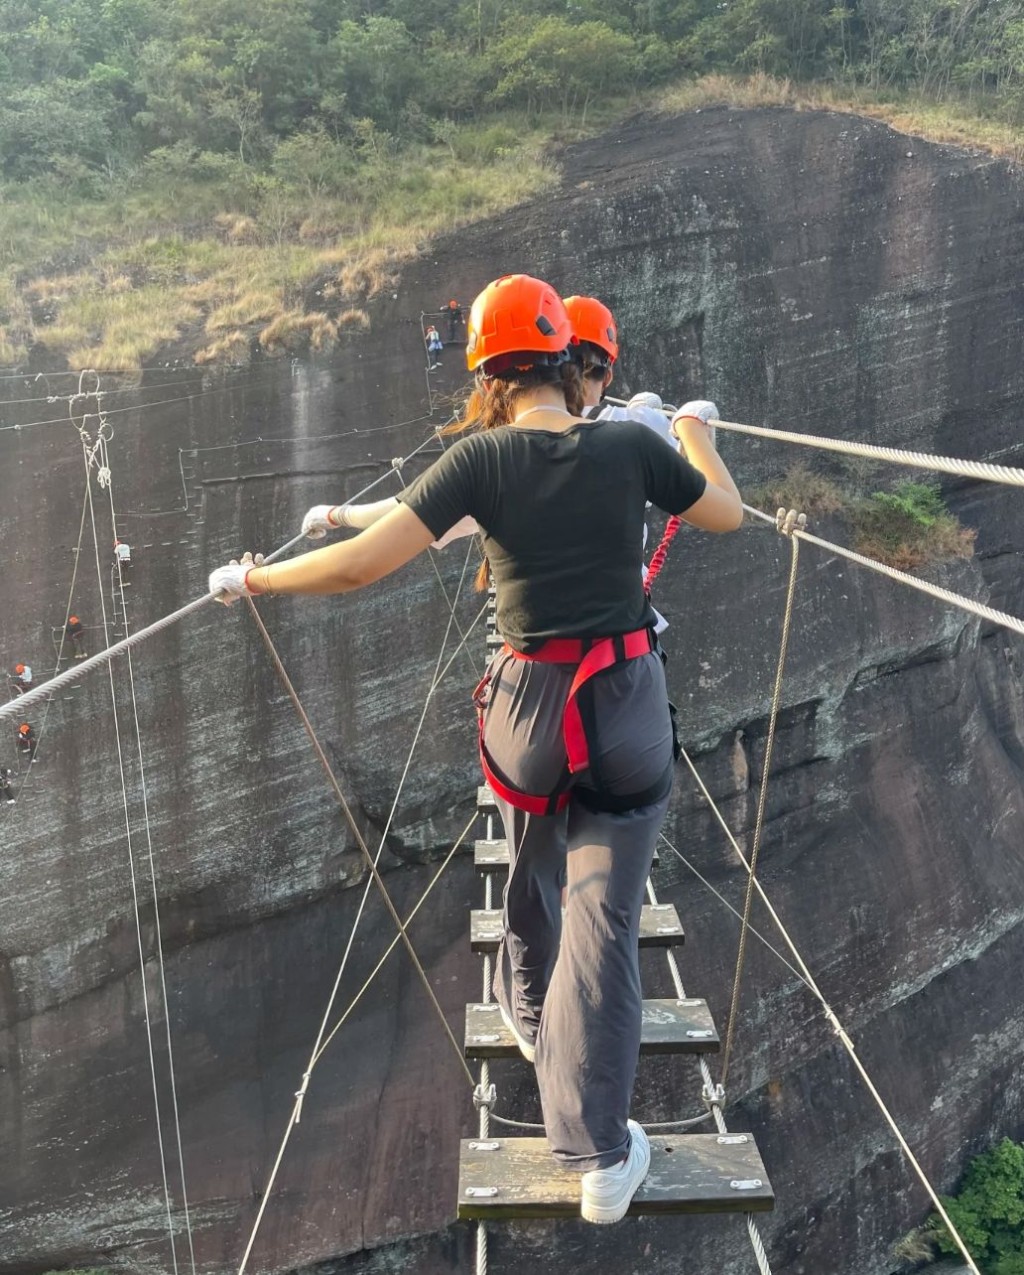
573 984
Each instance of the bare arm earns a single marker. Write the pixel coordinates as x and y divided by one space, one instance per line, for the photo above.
720 508
365 515
389 544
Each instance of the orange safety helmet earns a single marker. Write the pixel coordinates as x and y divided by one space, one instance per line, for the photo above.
594 325
24 729
73 619
517 321
19 668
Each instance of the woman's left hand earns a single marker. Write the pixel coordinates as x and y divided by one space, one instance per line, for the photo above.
228 583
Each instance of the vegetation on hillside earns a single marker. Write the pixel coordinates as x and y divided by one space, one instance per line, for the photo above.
222 155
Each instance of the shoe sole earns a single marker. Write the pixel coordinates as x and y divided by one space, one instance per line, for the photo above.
605 1215
528 1051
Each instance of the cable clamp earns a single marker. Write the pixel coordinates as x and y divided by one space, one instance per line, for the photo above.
788 521
484 1099
300 1094
713 1096
397 462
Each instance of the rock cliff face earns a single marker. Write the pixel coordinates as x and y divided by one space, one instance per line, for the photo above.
816 272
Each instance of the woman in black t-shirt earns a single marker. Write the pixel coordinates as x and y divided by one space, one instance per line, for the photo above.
576 739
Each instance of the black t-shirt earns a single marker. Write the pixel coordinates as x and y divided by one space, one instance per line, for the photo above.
562 519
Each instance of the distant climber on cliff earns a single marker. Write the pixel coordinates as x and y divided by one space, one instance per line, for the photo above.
6 791
122 554
454 318
75 630
21 678
586 799
27 741
432 338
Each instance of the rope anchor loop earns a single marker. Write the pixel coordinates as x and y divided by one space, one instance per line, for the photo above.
788 521
485 1098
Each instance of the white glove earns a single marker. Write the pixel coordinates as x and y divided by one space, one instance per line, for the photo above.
645 399
700 409
318 522
228 583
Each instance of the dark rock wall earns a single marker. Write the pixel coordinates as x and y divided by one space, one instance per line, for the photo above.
810 271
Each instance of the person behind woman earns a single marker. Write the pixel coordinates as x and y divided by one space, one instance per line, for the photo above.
581 765
597 333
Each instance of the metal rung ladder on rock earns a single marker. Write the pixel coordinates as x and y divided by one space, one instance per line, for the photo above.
502 1177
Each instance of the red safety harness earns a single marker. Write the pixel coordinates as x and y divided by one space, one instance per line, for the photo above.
591 656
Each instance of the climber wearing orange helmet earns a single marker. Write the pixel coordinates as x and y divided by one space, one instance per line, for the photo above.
21 679
596 331
581 766
595 327
27 741
75 630
453 313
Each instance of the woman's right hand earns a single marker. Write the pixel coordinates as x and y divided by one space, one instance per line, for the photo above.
698 409
320 520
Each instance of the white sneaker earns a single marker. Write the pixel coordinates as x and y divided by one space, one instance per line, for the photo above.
526 1047
607 1192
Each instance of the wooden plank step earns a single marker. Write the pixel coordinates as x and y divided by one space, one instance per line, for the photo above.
690 1173
485 800
659 927
668 1027
492 856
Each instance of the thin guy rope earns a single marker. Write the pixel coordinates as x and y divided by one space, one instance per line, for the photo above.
435 682
389 949
762 801
186 398
134 883
318 1049
832 1019
350 818
157 931
296 1109
725 903
126 389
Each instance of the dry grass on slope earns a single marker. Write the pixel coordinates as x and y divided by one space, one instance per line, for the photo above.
951 122
245 278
